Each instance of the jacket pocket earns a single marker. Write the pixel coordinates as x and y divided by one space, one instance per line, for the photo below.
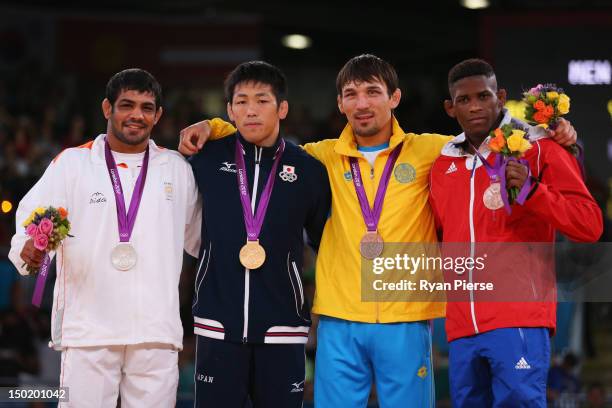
298 279
296 285
201 273
523 340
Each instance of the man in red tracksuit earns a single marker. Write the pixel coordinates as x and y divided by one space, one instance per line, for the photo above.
499 351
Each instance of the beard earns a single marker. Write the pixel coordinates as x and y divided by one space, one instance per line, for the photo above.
129 140
367 132
370 129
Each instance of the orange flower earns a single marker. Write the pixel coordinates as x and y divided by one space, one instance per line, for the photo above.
539 105
540 117
548 110
62 211
498 142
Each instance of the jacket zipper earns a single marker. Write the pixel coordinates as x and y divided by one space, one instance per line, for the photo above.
247 272
472 240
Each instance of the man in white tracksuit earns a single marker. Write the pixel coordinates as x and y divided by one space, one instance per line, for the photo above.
115 310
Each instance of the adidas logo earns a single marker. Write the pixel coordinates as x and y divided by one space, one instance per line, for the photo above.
522 364
451 169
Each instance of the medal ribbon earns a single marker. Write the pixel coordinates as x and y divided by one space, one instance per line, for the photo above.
497 171
371 216
125 221
252 223
41 280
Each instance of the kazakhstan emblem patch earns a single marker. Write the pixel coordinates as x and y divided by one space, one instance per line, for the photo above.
404 173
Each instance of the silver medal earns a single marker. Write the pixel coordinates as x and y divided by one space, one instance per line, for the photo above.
123 256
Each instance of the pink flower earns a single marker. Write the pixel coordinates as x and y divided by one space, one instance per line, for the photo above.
41 241
534 91
45 226
31 230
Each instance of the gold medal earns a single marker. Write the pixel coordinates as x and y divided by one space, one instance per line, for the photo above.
492 197
252 255
371 245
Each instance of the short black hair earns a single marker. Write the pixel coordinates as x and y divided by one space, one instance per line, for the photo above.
367 67
468 68
257 72
570 359
133 79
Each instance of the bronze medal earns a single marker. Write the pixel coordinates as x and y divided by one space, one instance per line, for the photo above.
371 245
492 197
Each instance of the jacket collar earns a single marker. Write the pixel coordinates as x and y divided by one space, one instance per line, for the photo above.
156 153
347 146
266 153
455 147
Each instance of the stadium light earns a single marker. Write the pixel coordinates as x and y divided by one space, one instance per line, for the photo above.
7 206
296 41
475 4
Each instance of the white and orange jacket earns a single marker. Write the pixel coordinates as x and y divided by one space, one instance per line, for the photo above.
93 303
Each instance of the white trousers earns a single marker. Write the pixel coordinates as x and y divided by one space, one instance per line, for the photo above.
144 375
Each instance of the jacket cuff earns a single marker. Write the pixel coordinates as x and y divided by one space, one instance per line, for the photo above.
534 186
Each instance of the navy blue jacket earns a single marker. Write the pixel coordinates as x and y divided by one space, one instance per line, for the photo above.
264 305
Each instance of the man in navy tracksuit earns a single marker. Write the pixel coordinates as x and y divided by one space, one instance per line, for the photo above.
252 321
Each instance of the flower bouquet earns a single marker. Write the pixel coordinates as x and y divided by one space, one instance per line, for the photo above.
545 104
510 144
47 227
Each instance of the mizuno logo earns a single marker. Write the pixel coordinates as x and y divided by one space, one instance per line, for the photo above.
298 386
227 166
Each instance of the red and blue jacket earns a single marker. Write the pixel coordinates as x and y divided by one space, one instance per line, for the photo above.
558 201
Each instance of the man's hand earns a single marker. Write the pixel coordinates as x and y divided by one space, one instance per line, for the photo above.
32 256
564 134
516 174
193 138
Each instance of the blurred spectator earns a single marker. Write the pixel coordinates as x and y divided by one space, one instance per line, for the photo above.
596 396
562 378
9 282
17 349
76 132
